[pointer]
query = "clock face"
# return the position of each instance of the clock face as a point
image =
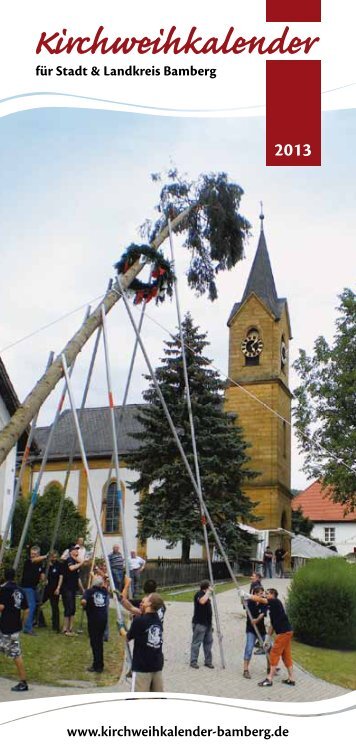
(252, 345)
(283, 353)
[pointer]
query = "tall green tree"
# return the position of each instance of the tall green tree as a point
(72, 525)
(325, 413)
(169, 507)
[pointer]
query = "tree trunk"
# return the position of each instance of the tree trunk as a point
(185, 550)
(31, 405)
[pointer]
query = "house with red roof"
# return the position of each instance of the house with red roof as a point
(331, 524)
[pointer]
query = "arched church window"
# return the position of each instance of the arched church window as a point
(111, 507)
(252, 347)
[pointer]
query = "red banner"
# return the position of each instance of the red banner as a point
(293, 113)
(293, 10)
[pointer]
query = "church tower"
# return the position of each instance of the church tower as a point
(259, 367)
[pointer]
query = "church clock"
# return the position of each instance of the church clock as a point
(284, 354)
(252, 345)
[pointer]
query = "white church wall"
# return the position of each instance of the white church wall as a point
(59, 476)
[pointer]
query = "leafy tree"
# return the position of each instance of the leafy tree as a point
(72, 525)
(169, 507)
(326, 410)
(301, 525)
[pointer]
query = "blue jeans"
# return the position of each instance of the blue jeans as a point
(250, 643)
(32, 602)
(268, 569)
(118, 577)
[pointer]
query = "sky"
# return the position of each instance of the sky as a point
(74, 188)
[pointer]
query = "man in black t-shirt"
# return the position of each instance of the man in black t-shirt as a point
(134, 605)
(68, 583)
(202, 626)
(52, 588)
(258, 613)
(282, 643)
(147, 634)
(13, 605)
(95, 603)
(280, 555)
(31, 575)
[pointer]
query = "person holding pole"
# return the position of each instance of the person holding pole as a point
(31, 575)
(202, 626)
(95, 604)
(253, 621)
(68, 583)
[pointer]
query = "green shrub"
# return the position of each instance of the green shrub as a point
(322, 604)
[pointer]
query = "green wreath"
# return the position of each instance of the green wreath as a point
(161, 273)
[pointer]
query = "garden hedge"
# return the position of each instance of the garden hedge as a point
(322, 604)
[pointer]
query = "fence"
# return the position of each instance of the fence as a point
(173, 572)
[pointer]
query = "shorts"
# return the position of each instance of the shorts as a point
(282, 648)
(68, 597)
(10, 644)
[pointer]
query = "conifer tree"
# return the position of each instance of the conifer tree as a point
(168, 507)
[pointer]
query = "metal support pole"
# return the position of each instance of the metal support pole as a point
(24, 461)
(195, 453)
(92, 499)
(114, 440)
(34, 495)
(180, 446)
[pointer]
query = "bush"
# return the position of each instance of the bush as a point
(322, 604)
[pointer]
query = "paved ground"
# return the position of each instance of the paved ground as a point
(228, 682)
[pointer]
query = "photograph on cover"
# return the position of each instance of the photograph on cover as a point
(159, 490)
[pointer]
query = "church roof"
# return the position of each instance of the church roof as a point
(7, 392)
(96, 432)
(261, 282)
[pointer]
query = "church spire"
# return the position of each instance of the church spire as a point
(260, 280)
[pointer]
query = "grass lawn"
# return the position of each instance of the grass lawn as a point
(56, 659)
(331, 665)
(185, 594)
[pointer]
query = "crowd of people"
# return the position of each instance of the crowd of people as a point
(20, 608)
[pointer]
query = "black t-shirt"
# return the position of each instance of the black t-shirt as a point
(202, 613)
(256, 609)
(255, 585)
(96, 607)
(280, 553)
(146, 632)
(278, 616)
(70, 578)
(14, 600)
(54, 572)
(268, 556)
(31, 574)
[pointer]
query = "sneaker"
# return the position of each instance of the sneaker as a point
(209, 665)
(247, 674)
(265, 682)
(22, 686)
(194, 665)
(94, 670)
(288, 682)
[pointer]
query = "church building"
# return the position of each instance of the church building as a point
(257, 389)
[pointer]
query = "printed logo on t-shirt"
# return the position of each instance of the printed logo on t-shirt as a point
(154, 638)
(17, 597)
(99, 600)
